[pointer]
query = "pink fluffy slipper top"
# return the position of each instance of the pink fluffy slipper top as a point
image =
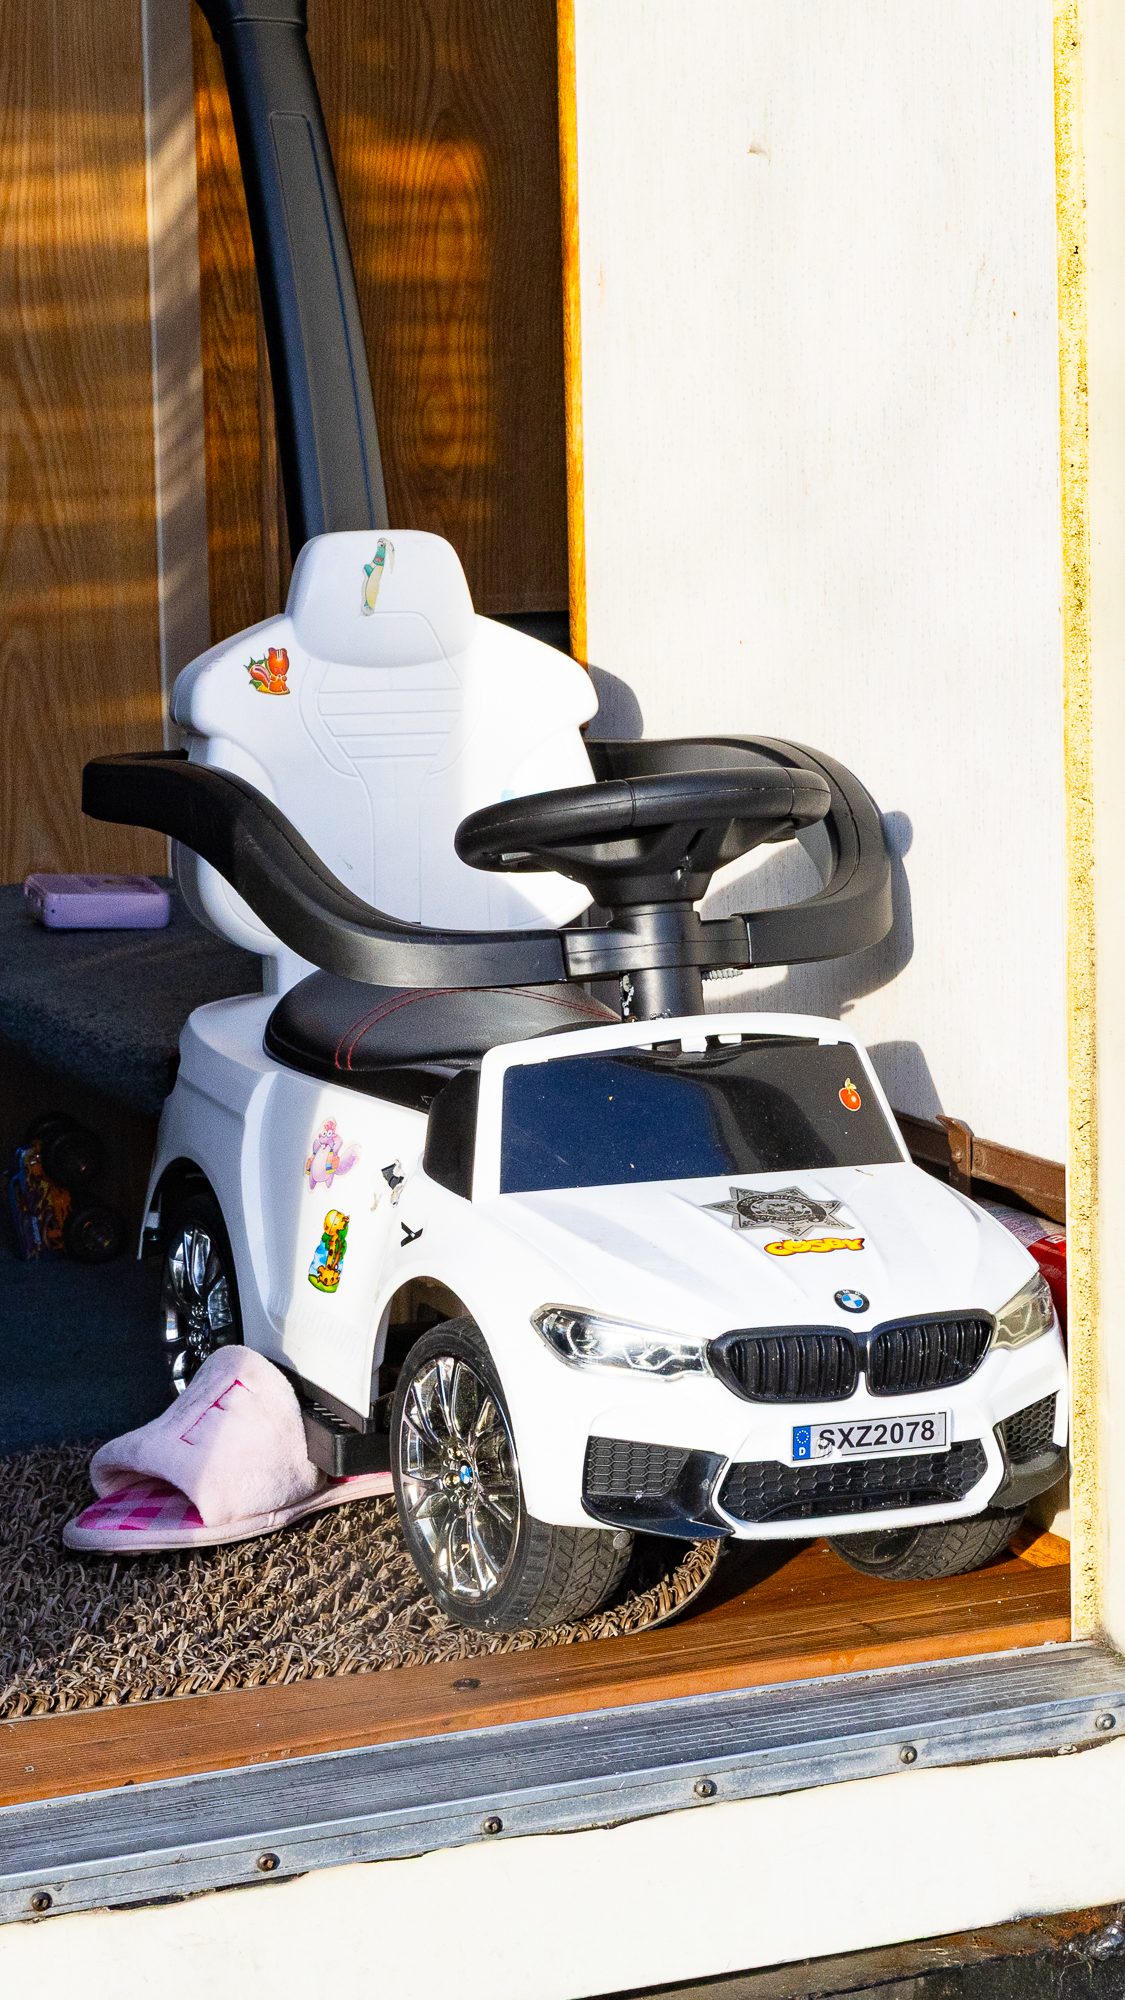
(234, 1443)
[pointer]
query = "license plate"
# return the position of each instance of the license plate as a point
(877, 1436)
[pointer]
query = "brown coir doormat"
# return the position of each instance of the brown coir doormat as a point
(337, 1594)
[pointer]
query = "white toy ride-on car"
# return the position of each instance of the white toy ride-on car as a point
(574, 1276)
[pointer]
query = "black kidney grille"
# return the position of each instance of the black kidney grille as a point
(926, 1354)
(771, 1492)
(822, 1364)
(1030, 1431)
(807, 1365)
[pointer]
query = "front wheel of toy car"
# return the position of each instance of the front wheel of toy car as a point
(941, 1548)
(484, 1558)
(198, 1295)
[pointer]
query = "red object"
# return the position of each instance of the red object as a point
(850, 1097)
(1050, 1255)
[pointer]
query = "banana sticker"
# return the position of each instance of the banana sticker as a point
(382, 562)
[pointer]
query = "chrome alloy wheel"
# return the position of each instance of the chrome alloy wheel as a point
(196, 1302)
(459, 1477)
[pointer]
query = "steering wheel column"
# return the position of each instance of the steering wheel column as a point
(646, 849)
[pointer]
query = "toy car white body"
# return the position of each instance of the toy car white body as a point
(639, 1320)
(576, 1275)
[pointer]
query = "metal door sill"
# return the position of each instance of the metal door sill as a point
(185, 1835)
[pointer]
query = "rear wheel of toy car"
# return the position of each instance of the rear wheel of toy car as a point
(484, 1558)
(198, 1294)
(941, 1548)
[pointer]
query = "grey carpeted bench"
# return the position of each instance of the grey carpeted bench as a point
(105, 1008)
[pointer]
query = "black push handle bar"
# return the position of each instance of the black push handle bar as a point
(328, 439)
(260, 853)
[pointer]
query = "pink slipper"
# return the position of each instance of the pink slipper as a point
(225, 1462)
(140, 1519)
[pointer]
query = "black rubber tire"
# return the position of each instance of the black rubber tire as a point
(93, 1233)
(196, 1205)
(941, 1548)
(48, 1121)
(554, 1574)
(71, 1155)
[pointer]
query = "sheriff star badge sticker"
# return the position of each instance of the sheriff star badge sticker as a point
(789, 1210)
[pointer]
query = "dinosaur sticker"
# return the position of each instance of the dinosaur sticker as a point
(329, 1156)
(270, 676)
(324, 1271)
(382, 562)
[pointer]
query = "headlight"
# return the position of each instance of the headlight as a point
(591, 1339)
(1025, 1317)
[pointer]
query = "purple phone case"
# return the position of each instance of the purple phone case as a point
(97, 902)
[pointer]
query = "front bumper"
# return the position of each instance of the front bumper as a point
(656, 1489)
(688, 1458)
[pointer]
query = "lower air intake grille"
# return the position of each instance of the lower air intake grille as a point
(772, 1492)
(1029, 1432)
(926, 1354)
(616, 1468)
(801, 1365)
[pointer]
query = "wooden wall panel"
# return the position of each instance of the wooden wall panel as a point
(78, 612)
(443, 123)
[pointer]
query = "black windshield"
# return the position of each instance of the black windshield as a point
(769, 1105)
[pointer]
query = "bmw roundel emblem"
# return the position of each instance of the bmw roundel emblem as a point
(852, 1302)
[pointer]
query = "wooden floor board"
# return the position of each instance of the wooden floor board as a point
(770, 1616)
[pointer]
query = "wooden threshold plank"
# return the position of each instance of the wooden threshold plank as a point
(796, 1618)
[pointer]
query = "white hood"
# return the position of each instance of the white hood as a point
(658, 1253)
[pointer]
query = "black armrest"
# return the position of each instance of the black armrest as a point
(256, 849)
(853, 910)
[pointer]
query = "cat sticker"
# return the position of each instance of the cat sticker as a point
(329, 1156)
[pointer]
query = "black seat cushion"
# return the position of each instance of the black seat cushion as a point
(405, 1042)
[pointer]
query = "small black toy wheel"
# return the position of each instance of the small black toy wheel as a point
(199, 1294)
(93, 1233)
(485, 1560)
(941, 1548)
(70, 1154)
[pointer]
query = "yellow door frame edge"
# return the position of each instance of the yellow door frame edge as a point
(1082, 1160)
(572, 329)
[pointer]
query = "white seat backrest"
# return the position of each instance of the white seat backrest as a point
(377, 712)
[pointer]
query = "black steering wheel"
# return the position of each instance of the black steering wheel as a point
(645, 840)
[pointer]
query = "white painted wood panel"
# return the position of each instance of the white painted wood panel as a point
(820, 406)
